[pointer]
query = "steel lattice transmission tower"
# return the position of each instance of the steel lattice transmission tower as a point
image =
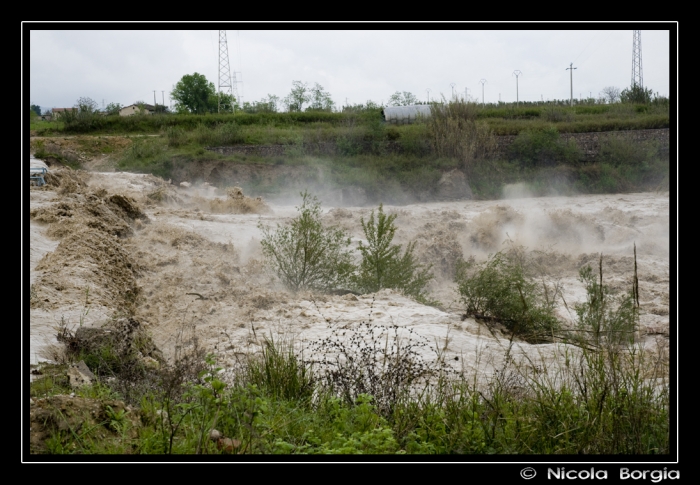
(637, 59)
(227, 80)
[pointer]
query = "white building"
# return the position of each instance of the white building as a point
(134, 109)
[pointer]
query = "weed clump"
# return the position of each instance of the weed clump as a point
(384, 362)
(456, 133)
(500, 290)
(605, 320)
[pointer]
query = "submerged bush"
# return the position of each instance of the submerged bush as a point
(499, 289)
(603, 318)
(382, 265)
(305, 255)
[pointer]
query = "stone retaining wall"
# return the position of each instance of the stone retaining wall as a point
(589, 143)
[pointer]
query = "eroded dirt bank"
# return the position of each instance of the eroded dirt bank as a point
(108, 244)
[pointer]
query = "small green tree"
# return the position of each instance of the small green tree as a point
(403, 99)
(195, 94)
(112, 109)
(305, 255)
(320, 100)
(636, 94)
(297, 97)
(382, 264)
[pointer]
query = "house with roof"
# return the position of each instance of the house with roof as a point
(135, 109)
(56, 113)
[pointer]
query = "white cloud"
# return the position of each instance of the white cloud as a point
(126, 65)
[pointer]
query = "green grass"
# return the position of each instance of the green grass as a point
(403, 163)
(400, 178)
(601, 403)
(267, 128)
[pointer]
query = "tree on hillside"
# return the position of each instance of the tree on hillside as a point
(86, 105)
(298, 96)
(265, 105)
(403, 99)
(194, 94)
(226, 102)
(636, 94)
(113, 108)
(359, 107)
(611, 94)
(320, 99)
(36, 109)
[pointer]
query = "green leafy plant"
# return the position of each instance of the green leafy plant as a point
(280, 372)
(116, 418)
(500, 290)
(636, 94)
(305, 254)
(382, 264)
(603, 318)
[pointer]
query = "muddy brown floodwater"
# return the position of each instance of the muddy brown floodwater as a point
(177, 257)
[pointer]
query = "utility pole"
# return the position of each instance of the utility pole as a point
(517, 73)
(154, 100)
(428, 91)
(483, 81)
(452, 85)
(571, 75)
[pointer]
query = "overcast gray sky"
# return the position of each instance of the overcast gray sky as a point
(125, 66)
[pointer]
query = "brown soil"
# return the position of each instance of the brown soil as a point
(89, 263)
(63, 415)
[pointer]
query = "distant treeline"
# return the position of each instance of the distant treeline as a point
(503, 120)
